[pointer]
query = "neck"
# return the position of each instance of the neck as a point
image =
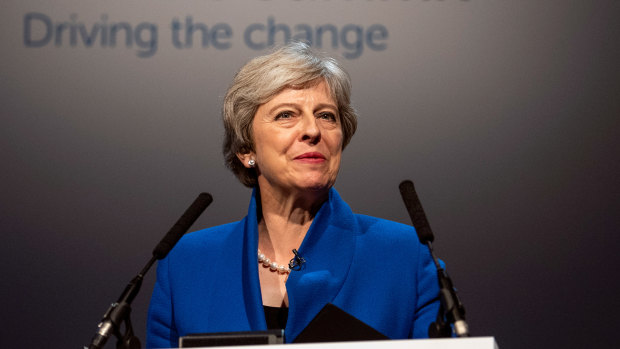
(285, 220)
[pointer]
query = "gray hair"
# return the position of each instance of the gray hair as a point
(293, 65)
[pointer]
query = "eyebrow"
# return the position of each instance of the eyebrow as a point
(327, 105)
(296, 106)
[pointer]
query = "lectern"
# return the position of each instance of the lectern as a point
(442, 343)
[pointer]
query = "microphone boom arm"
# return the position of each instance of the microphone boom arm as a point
(119, 311)
(451, 310)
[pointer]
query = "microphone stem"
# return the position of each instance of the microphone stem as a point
(435, 259)
(147, 266)
(119, 311)
(452, 306)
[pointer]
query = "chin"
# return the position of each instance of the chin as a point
(317, 186)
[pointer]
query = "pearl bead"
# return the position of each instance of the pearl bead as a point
(273, 266)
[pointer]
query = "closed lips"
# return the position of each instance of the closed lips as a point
(312, 155)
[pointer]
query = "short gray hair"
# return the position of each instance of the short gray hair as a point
(293, 65)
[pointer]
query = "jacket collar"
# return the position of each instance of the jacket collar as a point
(328, 249)
(251, 284)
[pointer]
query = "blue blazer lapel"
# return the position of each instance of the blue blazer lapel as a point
(328, 249)
(251, 284)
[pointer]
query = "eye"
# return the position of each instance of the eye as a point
(284, 115)
(327, 116)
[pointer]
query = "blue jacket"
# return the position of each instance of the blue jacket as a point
(374, 269)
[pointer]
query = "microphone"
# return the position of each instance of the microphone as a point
(120, 310)
(416, 212)
(182, 225)
(451, 307)
(296, 262)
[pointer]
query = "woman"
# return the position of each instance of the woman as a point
(288, 118)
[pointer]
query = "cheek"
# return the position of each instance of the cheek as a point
(336, 163)
(336, 141)
(272, 147)
(336, 153)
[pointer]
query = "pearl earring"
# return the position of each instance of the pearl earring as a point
(252, 162)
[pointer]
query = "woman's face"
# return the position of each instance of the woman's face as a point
(298, 140)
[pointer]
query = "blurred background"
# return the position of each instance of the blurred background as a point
(504, 113)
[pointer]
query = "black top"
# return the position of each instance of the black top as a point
(276, 317)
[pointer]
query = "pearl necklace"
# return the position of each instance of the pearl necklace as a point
(273, 266)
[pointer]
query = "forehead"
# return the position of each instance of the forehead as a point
(317, 92)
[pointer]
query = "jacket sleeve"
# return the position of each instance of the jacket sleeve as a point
(427, 304)
(160, 329)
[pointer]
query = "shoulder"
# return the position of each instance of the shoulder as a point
(380, 228)
(375, 235)
(207, 240)
(387, 240)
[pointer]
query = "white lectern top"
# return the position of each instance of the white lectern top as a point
(442, 343)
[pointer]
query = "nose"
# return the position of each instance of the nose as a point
(310, 129)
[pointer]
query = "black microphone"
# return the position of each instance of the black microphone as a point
(182, 225)
(416, 212)
(451, 307)
(120, 310)
(296, 262)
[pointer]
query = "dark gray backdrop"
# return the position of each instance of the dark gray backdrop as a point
(504, 113)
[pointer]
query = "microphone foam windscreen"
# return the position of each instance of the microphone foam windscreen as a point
(416, 212)
(182, 225)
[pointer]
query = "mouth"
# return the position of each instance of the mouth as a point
(311, 157)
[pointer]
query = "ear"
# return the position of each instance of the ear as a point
(245, 157)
